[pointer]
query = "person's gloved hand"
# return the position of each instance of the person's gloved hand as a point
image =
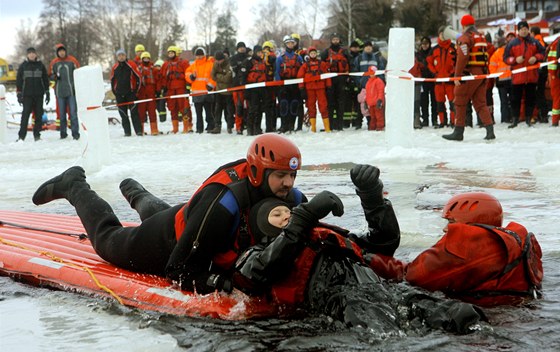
(193, 76)
(209, 87)
(47, 98)
(20, 98)
(205, 283)
(323, 203)
(379, 104)
(368, 185)
(305, 216)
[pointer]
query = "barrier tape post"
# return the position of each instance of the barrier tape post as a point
(387, 73)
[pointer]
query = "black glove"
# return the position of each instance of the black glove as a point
(368, 185)
(303, 93)
(163, 92)
(205, 283)
(379, 104)
(306, 216)
(20, 98)
(47, 98)
(193, 76)
(209, 88)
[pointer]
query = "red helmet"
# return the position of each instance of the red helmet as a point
(474, 207)
(271, 151)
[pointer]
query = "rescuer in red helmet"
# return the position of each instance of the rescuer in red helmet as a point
(477, 260)
(194, 244)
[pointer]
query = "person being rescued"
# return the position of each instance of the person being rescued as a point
(477, 260)
(299, 261)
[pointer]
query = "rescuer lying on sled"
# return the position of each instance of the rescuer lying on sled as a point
(300, 261)
(194, 244)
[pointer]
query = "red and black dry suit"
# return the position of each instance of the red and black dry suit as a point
(289, 100)
(239, 63)
(476, 263)
(257, 96)
(337, 59)
(186, 243)
(316, 89)
(173, 82)
(323, 271)
(472, 59)
(148, 87)
(125, 83)
(441, 63)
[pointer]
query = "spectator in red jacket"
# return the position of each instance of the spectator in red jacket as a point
(375, 99)
(314, 90)
(441, 63)
(521, 52)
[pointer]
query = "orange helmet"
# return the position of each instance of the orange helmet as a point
(474, 207)
(271, 151)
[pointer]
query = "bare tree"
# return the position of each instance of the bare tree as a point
(308, 15)
(205, 20)
(26, 36)
(274, 21)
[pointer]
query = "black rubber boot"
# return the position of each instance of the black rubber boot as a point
(145, 203)
(457, 134)
(515, 121)
(490, 132)
(60, 186)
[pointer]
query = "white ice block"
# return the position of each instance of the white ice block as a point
(399, 111)
(93, 118)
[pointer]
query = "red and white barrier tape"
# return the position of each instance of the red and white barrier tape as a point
(323, 76)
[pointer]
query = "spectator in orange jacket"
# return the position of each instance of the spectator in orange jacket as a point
(199, 75)
(375, 99)
(314, 90)
(441, 62)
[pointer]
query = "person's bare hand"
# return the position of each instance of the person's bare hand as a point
(532, 60)
(519, 59)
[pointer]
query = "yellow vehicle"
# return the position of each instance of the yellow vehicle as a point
(7, 73)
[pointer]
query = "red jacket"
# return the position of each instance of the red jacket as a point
(311, 70)
(375, 90)
(554, 55)
(442, 60)
(526, 47)
(149, 78)
(474, 264)
(173, 73)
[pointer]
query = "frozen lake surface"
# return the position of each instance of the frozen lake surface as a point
(521, 168)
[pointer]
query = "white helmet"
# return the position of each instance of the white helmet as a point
(288, 38)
